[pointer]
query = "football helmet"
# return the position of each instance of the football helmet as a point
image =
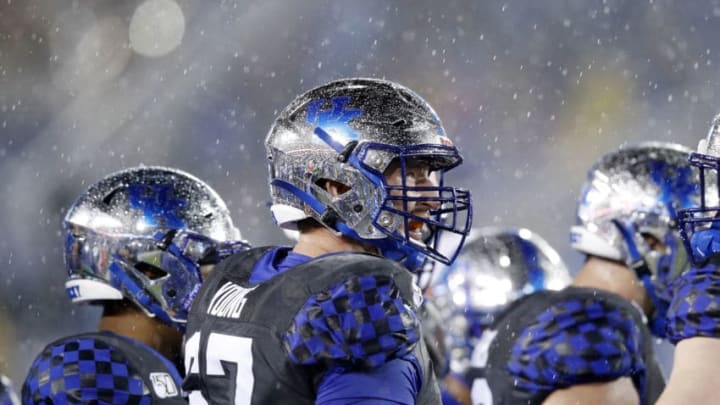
(496, 267)
(350, 132)
(142, 234)
(704, 215)
(630, 201)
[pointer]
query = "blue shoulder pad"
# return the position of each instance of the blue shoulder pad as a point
(577, 341)
(695, 306)
(81, 370)
(361, 322)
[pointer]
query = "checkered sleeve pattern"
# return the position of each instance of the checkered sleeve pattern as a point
(695, 306)
(574, 342)
(363, 322)
(81, 371)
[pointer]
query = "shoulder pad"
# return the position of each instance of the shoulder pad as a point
(693, 309)
(334, 269)
(577, 340)
(361, 322)
(79, 369)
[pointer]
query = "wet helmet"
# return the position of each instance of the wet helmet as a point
(631, 200)
(351, 132)
(496, 267)
(142, 234)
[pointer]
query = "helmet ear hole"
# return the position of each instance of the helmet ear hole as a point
(333, 187)
(150, 271)
(653, 242)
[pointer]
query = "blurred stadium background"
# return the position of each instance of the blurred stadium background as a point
(532, 92)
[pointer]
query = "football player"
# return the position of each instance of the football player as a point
(135, 242)
(693, 315)
(7, 396)
(496, 267)
(356, 166)
(590, 341)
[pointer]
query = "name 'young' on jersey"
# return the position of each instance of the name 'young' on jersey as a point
(101, 368)
(294, 334)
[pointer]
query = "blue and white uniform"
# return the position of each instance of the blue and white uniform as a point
(335, 329)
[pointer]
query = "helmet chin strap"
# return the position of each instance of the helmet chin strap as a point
(639, 265)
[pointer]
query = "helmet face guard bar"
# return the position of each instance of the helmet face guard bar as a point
(450, 209)
(448, 218)
(692, 220)
(707, 215)
(709, 182)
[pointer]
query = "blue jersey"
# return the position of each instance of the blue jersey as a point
(101, 368)
(335, 329)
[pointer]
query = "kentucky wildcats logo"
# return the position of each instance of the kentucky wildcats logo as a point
(335, 119)
(674, 183)
(158, 203)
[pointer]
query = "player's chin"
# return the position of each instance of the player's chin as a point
(418, 228)
(418, 232)
(416, 236)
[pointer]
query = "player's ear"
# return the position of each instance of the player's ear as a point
(335, 188)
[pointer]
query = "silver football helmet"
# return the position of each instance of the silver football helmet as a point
(631, 197)
(141, 234)
(350, 132)
(495, 268)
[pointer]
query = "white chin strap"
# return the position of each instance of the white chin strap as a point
(291, 235)
(82, 290)
(590, 243)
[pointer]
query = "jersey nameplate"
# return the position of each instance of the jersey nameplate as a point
(228, 301)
